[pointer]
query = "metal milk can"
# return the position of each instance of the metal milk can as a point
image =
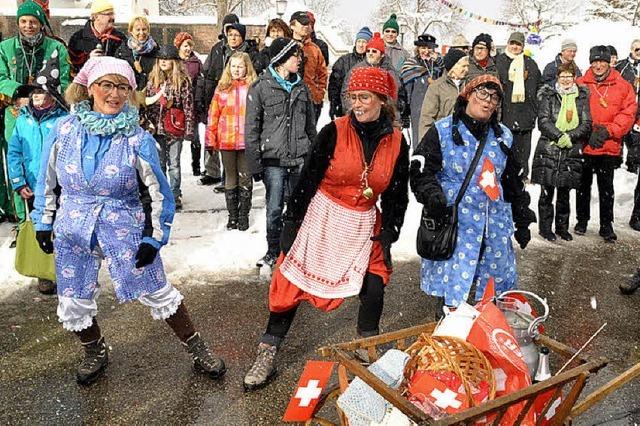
(523, 323)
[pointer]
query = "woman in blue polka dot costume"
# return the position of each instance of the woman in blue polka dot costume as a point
(494, 204)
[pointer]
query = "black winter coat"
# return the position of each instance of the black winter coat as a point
(549, 75)
(146, 62)
(279, 126)
(83, 41)
(324, 47)
(214, 66)
(552, 166)
(339, 72)
(519, 116)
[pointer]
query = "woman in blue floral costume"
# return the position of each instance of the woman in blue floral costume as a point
(103, 195)
(494, 205)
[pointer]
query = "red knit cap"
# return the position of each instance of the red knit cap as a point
(181, 38)
(373, 79)
(376, 43)
(480, 80)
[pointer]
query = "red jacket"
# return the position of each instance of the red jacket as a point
(613, 105)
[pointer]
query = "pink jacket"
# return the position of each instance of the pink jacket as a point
(225, 124)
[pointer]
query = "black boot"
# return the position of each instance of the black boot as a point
(606, 232)
(545, 212)
(562, 227)
(231, 197)
(581, 227)
(96, 358)
(632, 285)
(195, 157)
(244, 208)
(46, 286)
(203, 360)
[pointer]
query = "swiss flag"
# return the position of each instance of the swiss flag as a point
(429, 388)
(488, 180)
(314, 378)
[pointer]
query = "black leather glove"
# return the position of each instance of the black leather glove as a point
(258, 176)
(436, 203)
(386, 238)
(335, 111)
(598, 136)
(44, 241)
(522, 236)
(406, 122)
(288, 235)
(145, 255)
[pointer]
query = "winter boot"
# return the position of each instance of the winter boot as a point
(96, 358)
(203, 360)
(268, 259)
(46, 286)
(545, 212)
(581, 227)
(562, 227)
(263, 369)
(244, 208)
(195, 157)
(632, 285)
(606, 232)
(231, 197)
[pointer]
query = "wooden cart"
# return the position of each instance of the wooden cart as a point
(569, 383)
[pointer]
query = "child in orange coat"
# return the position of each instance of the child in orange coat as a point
(225, 132)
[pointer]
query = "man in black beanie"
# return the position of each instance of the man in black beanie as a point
(442, 94)
(480, 60)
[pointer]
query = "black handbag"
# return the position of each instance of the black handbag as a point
(438, 234)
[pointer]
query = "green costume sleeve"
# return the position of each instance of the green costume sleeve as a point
(8, 85)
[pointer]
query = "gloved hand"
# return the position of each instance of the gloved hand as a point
(288, 235)
(406, 122)
(386, 238)
(44, 241)
(258, 176)
(335, 111)
(564, 142)
(598, 136)
(145, 255)
(436, 203)
(522, 236)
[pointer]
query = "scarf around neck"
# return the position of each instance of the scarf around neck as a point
(568, 115)
(286, 84)
(33, 41)
(123, 123)
(516, 76)
(141, 48)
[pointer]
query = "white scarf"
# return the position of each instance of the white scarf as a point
(516, 75)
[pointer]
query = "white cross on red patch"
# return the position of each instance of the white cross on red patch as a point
(488, 181)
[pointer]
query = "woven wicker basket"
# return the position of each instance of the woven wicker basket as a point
(444, 353)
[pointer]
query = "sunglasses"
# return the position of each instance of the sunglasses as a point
(390, 31)
(373, 51)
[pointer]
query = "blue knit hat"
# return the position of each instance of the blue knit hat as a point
(364, 34)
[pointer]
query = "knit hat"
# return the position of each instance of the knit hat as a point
(516, 37)
(180, 38)
(231, 18)
(31, 8)
(98, 6)
(483, 39)
(426, 40)
(282, 49)
(238, 27)
(460, 41)
(612, 50)
(364, 34)
(300, 16)
(599, 53)
(99, 66)
(167, 51)
(391, 23)
(452, 57)
(376, 42)
(568, 43)
(373, 79)
(481, 80)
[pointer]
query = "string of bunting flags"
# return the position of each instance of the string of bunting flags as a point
(486, 20)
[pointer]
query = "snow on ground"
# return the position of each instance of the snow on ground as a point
(201, 246)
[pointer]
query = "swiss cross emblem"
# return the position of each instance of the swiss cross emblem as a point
(488, 181)
(429, 388)
(307, 394)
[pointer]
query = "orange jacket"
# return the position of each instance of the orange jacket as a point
(225, 126)
(613, 105)
(315, 70)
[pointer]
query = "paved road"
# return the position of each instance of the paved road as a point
(149, 379)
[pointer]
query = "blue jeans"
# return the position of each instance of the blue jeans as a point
(279, 183)
(169, 153)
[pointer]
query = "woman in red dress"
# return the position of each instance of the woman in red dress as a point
(335, 242)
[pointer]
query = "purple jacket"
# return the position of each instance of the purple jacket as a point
(194, 70)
